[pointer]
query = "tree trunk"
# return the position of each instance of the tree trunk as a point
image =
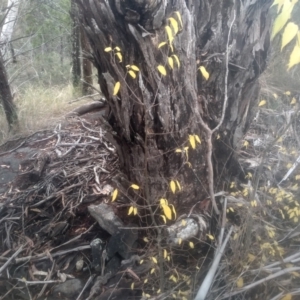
(8, 26)
(87, 71)
(152, 114)
(6, 97)
(75, 38)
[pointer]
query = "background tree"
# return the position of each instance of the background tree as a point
(8, 22)
(87, 68)
(169, 102)
(75, 38)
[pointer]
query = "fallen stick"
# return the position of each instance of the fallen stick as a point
(10, 259)
(202, 292)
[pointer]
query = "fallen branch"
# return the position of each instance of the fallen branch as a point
(10, 259)
(203, 290)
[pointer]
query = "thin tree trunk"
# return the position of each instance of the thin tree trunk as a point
(8, 26)
(87, 70)
(76, 68)
(154, 115)
(6, 98)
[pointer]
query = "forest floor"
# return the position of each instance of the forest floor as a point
(52, 245)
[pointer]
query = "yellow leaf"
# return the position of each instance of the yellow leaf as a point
(145, 239)
(178, 184)
(179, 241)
(135, 68)
(275, 96)
(177, 59)
(191, 244)
(132, 74)
(164, 218)
(132, 286)
(174, 211)
(173, 186)
(287, 93)
(163, 201)
(279, 3)
(170, 61)
(146, 280)
(119, 56)
(287, 297)
(179, 18)
(240, 282)
(154, 259)
(178, 150)
(289, 33)
(135, 187)
(192, 141)
(174, 25)
(293, 100)
(169, 34)
(165, 253)
(116, 88)
(114, 195)
(117, 48)
(158, 291)
(262, 103)
(251, 257)
(134, 211)
(162, 44)
(197, 138)
(183, 222)
(130, 211)
(167, 211)
(246, 144)
(295, 56)
(107, 49)
(297, 177)
(162, 70)
(173, 278)
(152, 271)
(210, 237)
(282, 18)
(141, 261)
(204, 73)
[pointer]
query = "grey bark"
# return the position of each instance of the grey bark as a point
(153, 114)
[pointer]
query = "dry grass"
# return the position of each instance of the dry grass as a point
(39, 108)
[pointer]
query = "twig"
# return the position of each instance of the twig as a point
(10, 259)
(209, 132)
(37, 281)
(46, 284)
(203, 290)
(221, 235)
(263, 280)
(43, 256)
(56, 194)
(83, 97)
(12, 150)
(91, 278)
(226, 77)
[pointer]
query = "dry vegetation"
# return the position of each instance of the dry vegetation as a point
(39, 108)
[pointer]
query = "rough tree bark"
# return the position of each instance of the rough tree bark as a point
(153, 115)
(75, 39)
